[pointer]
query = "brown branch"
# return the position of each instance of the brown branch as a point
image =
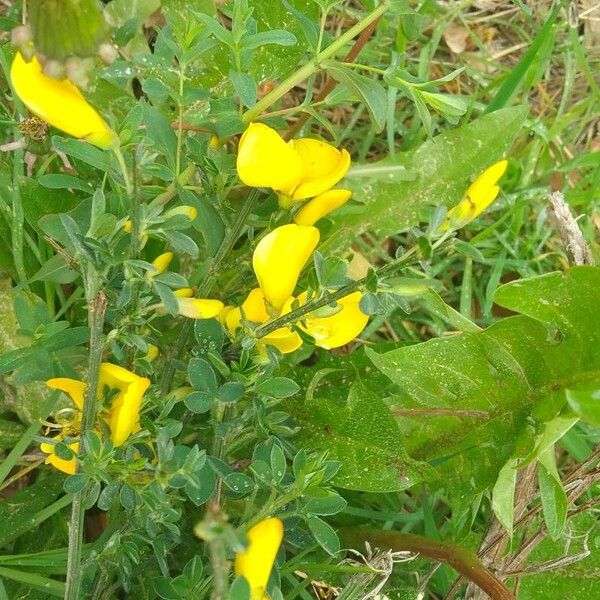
(330, 82)
(463, 561)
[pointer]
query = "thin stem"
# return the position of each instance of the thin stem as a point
(314, 65)
(96, 311)
(124, 172)
(180, 122)
(328, 297)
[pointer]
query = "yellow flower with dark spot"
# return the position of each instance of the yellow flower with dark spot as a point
(59, 103)
(256, 562)
(321, 206)
(279, 259)
(480, 194)
(339, 328)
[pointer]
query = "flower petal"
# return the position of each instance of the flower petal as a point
(337, 329)
(199, 308)
(256, 562)
(124, 412)
(265, 160)
(73, 387)
(66, 466)
(321, 205)
(279, 259)
(161, 262)
(59, 103)
(323, 166)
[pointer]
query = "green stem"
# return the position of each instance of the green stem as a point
(96, 311)
(329, 297)
(314, 65)
(124, 172)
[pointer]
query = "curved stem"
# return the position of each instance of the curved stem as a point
(463, 561)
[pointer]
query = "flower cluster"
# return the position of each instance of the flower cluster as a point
(120, 393)
(296, 170)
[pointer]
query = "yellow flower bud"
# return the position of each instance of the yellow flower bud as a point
(128, 226)
(152, 353)
(187, 211)
(279, 259)
(321, 205)
(265, 160)
(256, 562)
(339, 328)
(184, 293)
(199, 308)
(214, 142)
(323, 166)
(480, 194)
(59, 103)
(161, 263)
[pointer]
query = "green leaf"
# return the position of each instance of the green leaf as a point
(503, 495)
(160, 132)
(240, 589)
(199, 402)
(368, 90)
(324, 534)
(360, 434)
(56, 270)
(202, 375)
(437, 172)
(277, 387)
(279, 37)
(586, 404)
(61, 181)
(245, 87)
(552, 494)
(473, 395)
(83, 151)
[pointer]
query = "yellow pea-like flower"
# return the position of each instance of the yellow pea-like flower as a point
(323, 166)
(321, 205)
(59, 103)
(480, 194)
(122, 415)
(254, 309)
(199, 308)
(265, 160)
(256, 562)
(161, 263)
(279, 259)
(339, 328)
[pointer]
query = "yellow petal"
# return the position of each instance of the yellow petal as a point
(340, 328)
(124, 412)
(254, 308)
(184, 293)
(284, 339)
(256, 562)
(321, 205)
(480, 194)
(199, 308)
(161, 262)
(323, 167)
(279, 259)
(265, 160)
(127, 226)
(59, 103)
(74, 388)
(66, 466)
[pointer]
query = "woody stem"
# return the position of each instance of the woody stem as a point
(96, 311)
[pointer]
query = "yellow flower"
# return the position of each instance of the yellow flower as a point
(199, 308)
(265, 160)
(120, 409)
(152, 353)
(321, 205)
(67, 466)
(480, 194)
(59, 103)
(253, 309)
(339, 328)
(256, 562)
(161, 263)
(323, 167)
(279, 259)
(187, 211)
(184, 293)
(298, 169)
